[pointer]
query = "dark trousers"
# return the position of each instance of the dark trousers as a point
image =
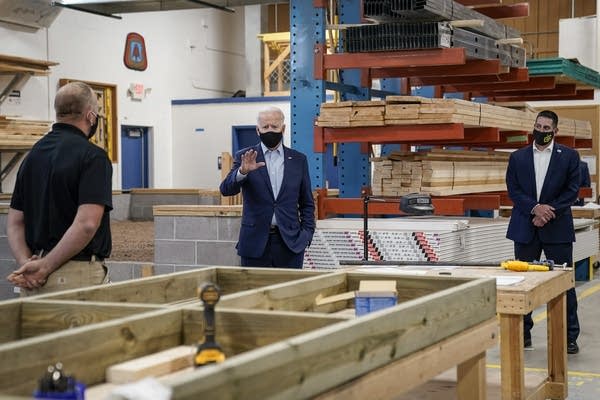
(276, 254)
(559, 253)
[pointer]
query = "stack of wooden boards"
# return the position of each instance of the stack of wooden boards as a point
(20, 134)
(415, 110)
(12, 64)
(439, 172)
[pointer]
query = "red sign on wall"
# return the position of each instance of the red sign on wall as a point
(135, 52)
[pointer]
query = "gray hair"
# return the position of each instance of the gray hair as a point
(271, 110)
(73, 98)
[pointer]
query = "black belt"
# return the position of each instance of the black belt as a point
(83, 257)
(78, 257)
(273, 229)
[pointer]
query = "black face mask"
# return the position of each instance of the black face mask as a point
(542, 138)
(94, 127)
(271, 139)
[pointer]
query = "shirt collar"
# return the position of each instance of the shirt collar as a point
(277, 150)
(546, 150)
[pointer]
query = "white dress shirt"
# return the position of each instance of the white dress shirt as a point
(541, 160)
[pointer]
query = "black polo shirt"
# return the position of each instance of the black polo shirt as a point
(62, 171)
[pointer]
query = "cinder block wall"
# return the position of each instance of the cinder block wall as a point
(201, 236)
(7, 263)
(121, 206)
(185, 242)
(143, 200)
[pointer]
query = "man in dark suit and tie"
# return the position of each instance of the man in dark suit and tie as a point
(543, 183)
(278, 219)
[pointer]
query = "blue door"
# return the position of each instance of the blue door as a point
(134, 157)
(243, 136)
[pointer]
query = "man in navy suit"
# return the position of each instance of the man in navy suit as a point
(543, 183)
(278, 218)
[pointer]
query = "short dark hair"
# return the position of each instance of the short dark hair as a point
(549, 114)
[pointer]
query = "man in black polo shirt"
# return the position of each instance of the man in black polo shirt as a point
(58, 223)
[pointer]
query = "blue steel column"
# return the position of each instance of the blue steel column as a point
(354, 170)
(307, 28)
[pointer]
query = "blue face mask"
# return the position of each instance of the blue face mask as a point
(271, 139)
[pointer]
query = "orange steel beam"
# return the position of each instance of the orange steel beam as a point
(570, 141)
(562, 90)
(534, 83)
(333, 205)
(583, 143)
(479, 201)
(517, 10)
(320, 3)
(390, 134)
(365, 78)
(478, 2)
(580, 95)
(506, 201)
(470, 67)
(318, 143)
(395, 59)
(565, 140)
(445, 206)
(514, 75)
(319, 61)
(321, 196)
(472, 136)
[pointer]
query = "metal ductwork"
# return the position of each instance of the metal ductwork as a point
(28, 13)
(113, 8)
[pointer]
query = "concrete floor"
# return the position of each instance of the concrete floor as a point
(584, 368)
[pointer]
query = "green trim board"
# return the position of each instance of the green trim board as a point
(569, 70)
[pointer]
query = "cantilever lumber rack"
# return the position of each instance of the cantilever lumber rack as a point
(18, 135)
(450, 70)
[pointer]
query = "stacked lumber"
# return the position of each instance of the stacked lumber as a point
(20, 64)
(439, 172)
(353, 113)
(580, 129)
(415, 110)
(21, 134)
(574, 127)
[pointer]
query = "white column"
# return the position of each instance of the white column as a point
(253, 21)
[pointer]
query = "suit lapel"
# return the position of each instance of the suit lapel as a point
(287, 169)
(263, 171)
(531, 167)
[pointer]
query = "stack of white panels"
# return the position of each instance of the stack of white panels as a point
(476, 240)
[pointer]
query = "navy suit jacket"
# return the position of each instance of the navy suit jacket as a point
(294, 207)
(559, 190)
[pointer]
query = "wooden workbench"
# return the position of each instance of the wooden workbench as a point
(279, 342)
(514, 301)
